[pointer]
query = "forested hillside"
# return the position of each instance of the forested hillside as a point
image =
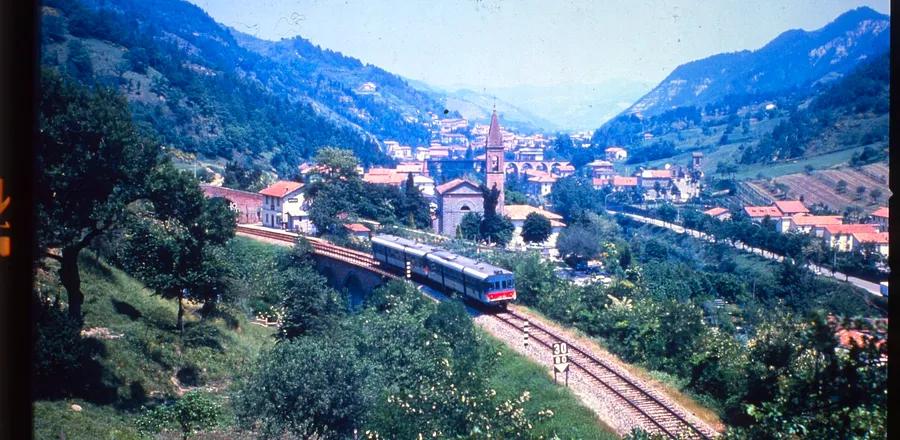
(796, 59)
(191, 84)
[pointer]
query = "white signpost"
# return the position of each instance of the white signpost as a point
(561, 360)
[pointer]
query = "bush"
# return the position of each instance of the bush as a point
(194, 412)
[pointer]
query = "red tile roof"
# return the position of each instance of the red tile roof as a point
(520, 212)
(614, 149)
(600, 181)
(357, 227)
(871, 237)
(281, 188)
(715, 212)
(816, 220)
(847, 337)
(850, 229)
(600, 163)
(494, 137)
(624, 181)
(791, 207)
(440, 189)
(881, 212)
(762, 211)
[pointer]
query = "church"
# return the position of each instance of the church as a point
(459, 197)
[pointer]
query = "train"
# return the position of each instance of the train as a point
(480, 281)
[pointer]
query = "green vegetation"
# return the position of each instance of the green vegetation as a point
(339, 196)
(536, 228)
(724, 329)
(209, 94)
(491, 227)
(142, 362)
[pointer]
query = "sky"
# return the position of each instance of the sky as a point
(505, 43)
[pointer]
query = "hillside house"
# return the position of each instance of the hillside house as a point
(806, 223)
(880, 217)
(616, 154)
(758, 213)
(879, 240)
(718, 213)
(841, 236)
(284, 207)
(791, 207)
(539, 183)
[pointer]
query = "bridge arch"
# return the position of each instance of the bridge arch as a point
(512, 168)
(542, 167)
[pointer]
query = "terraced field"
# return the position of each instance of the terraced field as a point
(821, 186)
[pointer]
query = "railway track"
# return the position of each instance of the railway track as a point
(323, 248)
(647, 405)
(659, 416)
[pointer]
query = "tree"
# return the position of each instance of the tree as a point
(90, 164)
(875, 194)
(667, 213)
(310, 306)
(841, 186)
(536, 228)
(577, 245)
(573, 197)
(195, 411)
(173, 238)
(860, 191)
(413, 209)
(305, 387)
(470, 225)
(78, 63)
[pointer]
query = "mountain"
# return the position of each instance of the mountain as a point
(576, 106)
(203, 88)
(477, 106)
(796, 59)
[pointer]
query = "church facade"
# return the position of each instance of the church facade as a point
(459, 197)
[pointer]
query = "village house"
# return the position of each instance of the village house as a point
(718, 213)
(358, 231)
(840, 237)
(518, 214)
(397, 177)
(791, 207)
(879, 240)
(616, 154)
(284, 207)
(758, 213)
(806, 223)
(880, 217)
(530, 154)
(539, 183)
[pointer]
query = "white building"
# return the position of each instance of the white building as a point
(284, 207)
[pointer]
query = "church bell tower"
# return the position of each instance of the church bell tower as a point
(495, 167)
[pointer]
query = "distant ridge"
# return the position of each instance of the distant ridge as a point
(796, 59)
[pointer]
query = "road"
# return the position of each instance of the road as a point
(868, 286)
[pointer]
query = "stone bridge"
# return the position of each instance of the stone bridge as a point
(546, 166)
(347, 277)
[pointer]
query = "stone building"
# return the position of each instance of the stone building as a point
(455, 199)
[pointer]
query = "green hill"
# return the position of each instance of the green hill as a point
(137, 358)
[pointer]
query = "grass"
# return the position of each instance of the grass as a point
(818, 162)
(100, 422)
(144, 363)
(515, 373)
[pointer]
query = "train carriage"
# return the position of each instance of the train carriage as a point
(481, 281)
